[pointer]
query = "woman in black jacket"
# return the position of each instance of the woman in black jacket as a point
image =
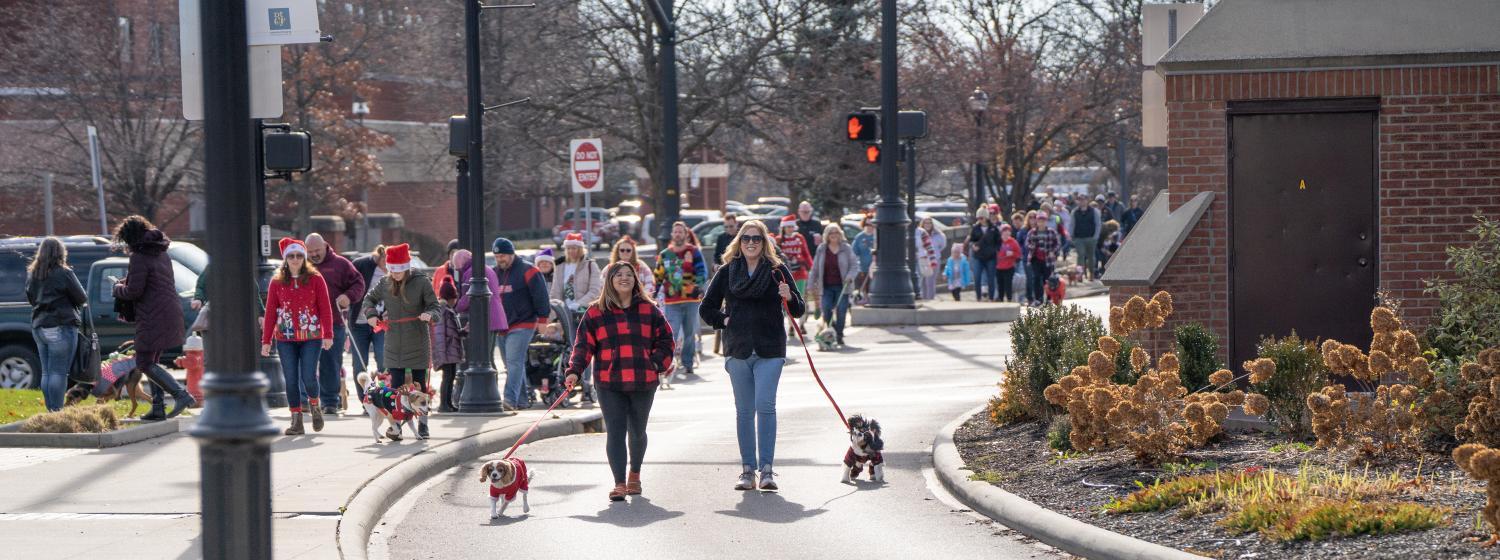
(745, 299)
(55, 296)
(151, 287)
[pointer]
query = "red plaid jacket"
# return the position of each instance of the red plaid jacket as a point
(629, 347)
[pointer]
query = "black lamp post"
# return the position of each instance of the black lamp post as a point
(978, 102)
(890, 285)
(234, 432)
(669, 207)
(481, 392)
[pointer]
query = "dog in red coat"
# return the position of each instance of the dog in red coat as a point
(508, 478)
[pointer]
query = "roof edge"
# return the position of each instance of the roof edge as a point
(1305, 64)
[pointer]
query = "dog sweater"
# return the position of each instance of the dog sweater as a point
(522, 482)
(851, 458)
(386, 398)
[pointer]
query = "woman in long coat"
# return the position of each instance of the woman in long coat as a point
(151, 287)
(410, 308)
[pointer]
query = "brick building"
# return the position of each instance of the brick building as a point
(1319, 152)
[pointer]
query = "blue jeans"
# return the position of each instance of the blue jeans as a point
(984, 278)
(55, 347)
(369, 345)
(513, 346)
(754, 382)
(330, 362)
(683, 317)
(833, 301)
(299, 367)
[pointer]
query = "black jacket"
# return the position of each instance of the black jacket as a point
(55, 299)
(1085, 223)
(986, 242)
(748, 308)
(366, 267)
(720, 245)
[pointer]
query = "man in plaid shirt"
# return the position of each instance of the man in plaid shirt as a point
(1042, 244)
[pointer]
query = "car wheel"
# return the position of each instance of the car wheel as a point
(19, 368)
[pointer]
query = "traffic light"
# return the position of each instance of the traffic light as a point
(872, 153)
(863, 127)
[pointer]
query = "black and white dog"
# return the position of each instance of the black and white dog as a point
(508, 478)
(864, 448)
(401, 406)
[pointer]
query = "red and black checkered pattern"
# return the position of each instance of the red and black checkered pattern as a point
(629, 346)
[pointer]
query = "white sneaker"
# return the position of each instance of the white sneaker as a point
(747, 480)
(768, 481)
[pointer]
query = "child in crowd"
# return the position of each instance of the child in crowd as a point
(957, 272)
(448, 344)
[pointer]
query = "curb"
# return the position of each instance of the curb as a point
(1067, 534)
(376, 496)
(141, 432)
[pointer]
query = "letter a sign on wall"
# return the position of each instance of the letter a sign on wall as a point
(588, 165)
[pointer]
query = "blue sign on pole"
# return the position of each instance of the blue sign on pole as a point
(281, 19)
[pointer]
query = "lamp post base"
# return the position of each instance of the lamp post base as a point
(481, 390)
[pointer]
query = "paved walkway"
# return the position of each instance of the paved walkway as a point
(142, 500)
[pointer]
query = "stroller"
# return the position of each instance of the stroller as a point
(547, 357)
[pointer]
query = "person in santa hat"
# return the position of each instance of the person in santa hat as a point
(299, 320)
(797, 256)
(578, 284)
(410, 305)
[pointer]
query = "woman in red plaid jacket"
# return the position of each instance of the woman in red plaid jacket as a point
(626, 336)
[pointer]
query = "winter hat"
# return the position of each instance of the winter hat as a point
(291, 245)
(574, 239)
(448, 291)
(503, 246)
(788, 220)
(545, 255)
(1004, 228)
(398, 258)
(994, 208)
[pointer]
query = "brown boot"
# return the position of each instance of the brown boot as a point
(618, 494)
(296, 428)
(317, 414)
(633, 484)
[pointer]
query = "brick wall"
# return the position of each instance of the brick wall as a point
(1439, 164)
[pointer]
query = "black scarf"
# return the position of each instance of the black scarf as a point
(759, 285)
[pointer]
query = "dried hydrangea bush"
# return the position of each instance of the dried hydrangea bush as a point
(1384, 420)
(1157, 418)
(1483, 463)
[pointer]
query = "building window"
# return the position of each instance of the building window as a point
(126, 46)
(155, 44)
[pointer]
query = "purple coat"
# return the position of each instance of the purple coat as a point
(343, 280)
(151, 284)
(497, 310)
(447, 339)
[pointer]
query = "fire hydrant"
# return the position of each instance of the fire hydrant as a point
(192, 361)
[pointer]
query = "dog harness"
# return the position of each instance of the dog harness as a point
(522, 481)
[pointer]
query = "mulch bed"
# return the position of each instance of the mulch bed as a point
(1017, 459)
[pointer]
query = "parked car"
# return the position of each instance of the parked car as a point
(688, 216)
(781, 201)
(708, 232)
(19, 365)
(627, 217)
(767, 210)
(946, 212)
(605, 232)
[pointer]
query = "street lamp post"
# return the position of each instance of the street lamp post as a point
(669, 207)
(890, 285)
(481, 382)
(978, 102)
(234, 432)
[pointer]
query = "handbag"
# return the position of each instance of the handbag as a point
(85, 368)
(200, 323)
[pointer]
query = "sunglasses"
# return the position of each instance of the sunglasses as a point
(624, 250)
(752, 239)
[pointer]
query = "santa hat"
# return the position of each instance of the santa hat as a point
(545, 255)
(291, 245)
(788, 220)
(398, 258)
(574, 239)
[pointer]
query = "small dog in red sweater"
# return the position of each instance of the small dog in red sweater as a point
(864, 448)
(508, 478)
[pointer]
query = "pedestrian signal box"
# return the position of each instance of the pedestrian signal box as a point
(863, 127)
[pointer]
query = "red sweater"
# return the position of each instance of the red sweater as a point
(796, 254)
(297, 311)
(1010, 252)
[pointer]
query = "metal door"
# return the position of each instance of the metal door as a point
(1302, 221)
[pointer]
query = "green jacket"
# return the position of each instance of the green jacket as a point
(200, 293)
(408, 340)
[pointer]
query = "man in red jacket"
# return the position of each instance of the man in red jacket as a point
(345, 286)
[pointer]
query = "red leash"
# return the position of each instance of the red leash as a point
(814, 367)
(383, 325)
(567, 391)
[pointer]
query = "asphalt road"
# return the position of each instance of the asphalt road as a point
(914, 380)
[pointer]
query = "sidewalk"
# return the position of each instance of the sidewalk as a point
(142, 500)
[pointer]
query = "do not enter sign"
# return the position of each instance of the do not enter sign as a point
(588, 165)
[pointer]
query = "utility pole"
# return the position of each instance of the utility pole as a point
(891, 285)
(481, 382)
(671, 197)
(234, 432)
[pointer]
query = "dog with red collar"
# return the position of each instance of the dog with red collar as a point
(864, 449)
(400, 406)
(508, 478)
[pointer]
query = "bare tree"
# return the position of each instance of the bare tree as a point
(96, 64)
